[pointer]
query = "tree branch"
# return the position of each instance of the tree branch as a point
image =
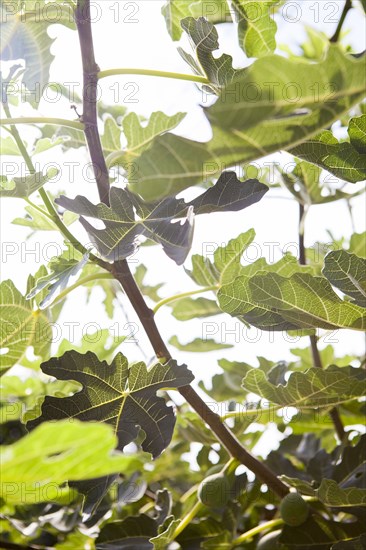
(334, 414)
(121, 270)
(90, 90)
(346, 8)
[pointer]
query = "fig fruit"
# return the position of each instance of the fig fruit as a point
(214, 491)
(294, 510)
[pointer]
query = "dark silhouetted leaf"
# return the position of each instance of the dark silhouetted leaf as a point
(122, 396)
(129, 216)
(132, 533)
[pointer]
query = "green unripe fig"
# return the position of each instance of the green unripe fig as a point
(214, 491)
(269, 541)
(294, 510)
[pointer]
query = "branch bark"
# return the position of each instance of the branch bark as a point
(317, 362)
(121, 270)
(346, 8)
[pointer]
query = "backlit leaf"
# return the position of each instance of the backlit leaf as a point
(348, 273)
(282, 87)
(117, 394)
(345, 159)
(204, 40)
(189, 308)
(21, 326)
(198, 345)
(39, 463)
(330, 494)
(256, 28)
(313, 388)
(22, 187)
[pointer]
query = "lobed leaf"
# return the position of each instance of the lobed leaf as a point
(204, 40)
(40, 463)
(62, 268)
(346, 160)
(313, 388)
(117, 394)
(348, 273)
(21, 326)
(22, 187)
(256, 28)
(198, 345)
(274, 99)
(129, 216)
(331, 494)
(188, 308)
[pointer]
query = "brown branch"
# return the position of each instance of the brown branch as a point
(90, 91)
(317, 362)
(346, 8)
(122, 273)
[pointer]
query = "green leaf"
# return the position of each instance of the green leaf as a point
(357, 133)
(111, 138)
(215, 11)
(158, 221)
(35, 467)
(348, 273)
(357, 244)
(9, 147)
(306, 177)
(122, 396)
(140, 137)
(204, 40)
(330, 494)
(187, 308)
(227, 262)
(193, 162)
(162, 540)
(21, 326)
(147, 290)
(256, 28)
(228, 385)
(358, 543)
(306, 301)
(29, 41)
(67, 265)
(198, 345)
(131, 533)
(270, 77)
(44, 144)
(319, 533)
(170, 165)
(313, 388)
(22, 187)
(346, 160)
(102, 343)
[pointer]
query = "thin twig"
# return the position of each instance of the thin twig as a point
(346, 8)
(334, 414)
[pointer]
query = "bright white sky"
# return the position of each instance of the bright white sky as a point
(146, 44)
